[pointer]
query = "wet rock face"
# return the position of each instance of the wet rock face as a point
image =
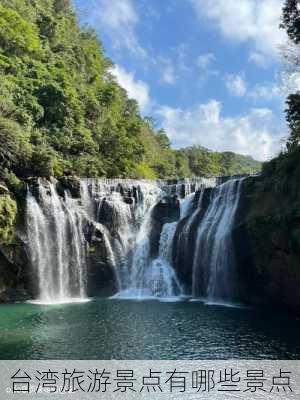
(184, 247)
(35, 184)
(244, 276)
(14, 263)
(92, 233)
(267, 256)
(167, 210)
(129, 194)
(15, 273)
(115, 215)
(70, 183)
(101, 277)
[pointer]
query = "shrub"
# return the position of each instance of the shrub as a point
(8, 212)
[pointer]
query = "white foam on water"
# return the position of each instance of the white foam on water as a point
(224, 304)
(144, 295)
(74, 300)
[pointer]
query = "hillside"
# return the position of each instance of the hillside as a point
(63, 113)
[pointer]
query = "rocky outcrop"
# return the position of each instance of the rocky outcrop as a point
(15, 274)
(70, 183)
(267, 242)
(14, 271)
(101, 277)
(167, 210)
(111, 214)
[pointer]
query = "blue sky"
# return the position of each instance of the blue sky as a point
(208, 71)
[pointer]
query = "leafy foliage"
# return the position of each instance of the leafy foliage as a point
(291, 23)
(62, 112)
(293, 119)
(8, 212)
(203, 162)
(291, 19)
(17, 36)
(14, 148)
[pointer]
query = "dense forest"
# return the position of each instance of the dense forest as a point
(63, 113)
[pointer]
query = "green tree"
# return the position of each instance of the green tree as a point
(14, 146)
(293, 118)
(63, 112)
(291, 23)
(17, 36)
(291, 19)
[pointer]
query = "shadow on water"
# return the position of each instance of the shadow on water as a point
(120, 329)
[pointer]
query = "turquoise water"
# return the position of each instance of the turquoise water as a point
(113, 329)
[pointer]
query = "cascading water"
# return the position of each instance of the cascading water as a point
(124, 210)
(56, 228)
(161, 278)
(140, 224)
(57, 246)
(140, 261)
(214, 261)
(153, 278)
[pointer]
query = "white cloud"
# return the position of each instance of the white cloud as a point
(168, 75)
(259, 59)
(182, 59)
(136, 89)
(236, 85)
(257, 134)
(291, 81)
(204, 63)
(265, 92)
(118, 19)
(205, 60)
(246, 20)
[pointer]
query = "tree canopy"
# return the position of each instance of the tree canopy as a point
(62, 111)
(291, 23)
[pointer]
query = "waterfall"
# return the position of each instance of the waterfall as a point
(57, 247)
(156, 278)
(153, 278)
(185, 187)
(214, 260)
(139, 226)
(126, 223)
(161, 276)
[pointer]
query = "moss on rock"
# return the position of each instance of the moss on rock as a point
(8, 213)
